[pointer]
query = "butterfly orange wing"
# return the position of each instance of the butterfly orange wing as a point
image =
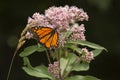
(53, 40)
(46, 36)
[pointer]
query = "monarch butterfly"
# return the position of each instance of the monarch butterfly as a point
(46, 36)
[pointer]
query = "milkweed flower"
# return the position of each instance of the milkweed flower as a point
(28, 35)
(63, 19)
(78, 32)
(59, 16)
(78, 14)
(86, 55)
(61, 33)
(39, 20)
(54, 69)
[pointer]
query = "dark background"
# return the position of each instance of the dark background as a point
(102, 28)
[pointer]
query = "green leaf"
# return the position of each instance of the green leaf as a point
(26, 62)
(65, 63)
(71, 62)
(39, 71)
(84, 66)
(74, 48)
(78, 77)
(30, 50)
(97, 52)
(40, 48)
(86, 43)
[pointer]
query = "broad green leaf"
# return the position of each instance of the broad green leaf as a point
(39, 71)
(78, 77)
(30, 50)
(63, 64)
(84, 66)
(26, 62)
(74, 48)
(72, 62)
(66, 63)
(40, 48)
(86, 43)
(97, 52)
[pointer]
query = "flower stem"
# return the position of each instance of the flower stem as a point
(58, 58)
(10, 67)
(66, 68)
(67, 73)
(20, 43)
(48, 57)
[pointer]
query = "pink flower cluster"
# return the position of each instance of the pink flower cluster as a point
(78, 32)
(64, 19)
(87, 56)
(78, 14)
(39, 20)
(60, 17)
(54, 69)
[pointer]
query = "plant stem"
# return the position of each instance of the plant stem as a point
(58, 58)
(10, 67)
(66, 67)
(48, 57)
(67, 73)
(20, 44)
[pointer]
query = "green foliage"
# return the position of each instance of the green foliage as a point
(84, 66)
(82, 78)
(97, 52)
(66, 63)
(69, 63)
(86, 43)
(74, 48)
(31, 49)
(38, 71)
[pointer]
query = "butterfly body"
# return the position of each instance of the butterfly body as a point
(46, 36)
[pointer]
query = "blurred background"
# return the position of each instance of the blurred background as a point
(102, 28)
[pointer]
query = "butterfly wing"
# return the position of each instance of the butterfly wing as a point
(41, 32)
(46, 36)
(53, 40)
